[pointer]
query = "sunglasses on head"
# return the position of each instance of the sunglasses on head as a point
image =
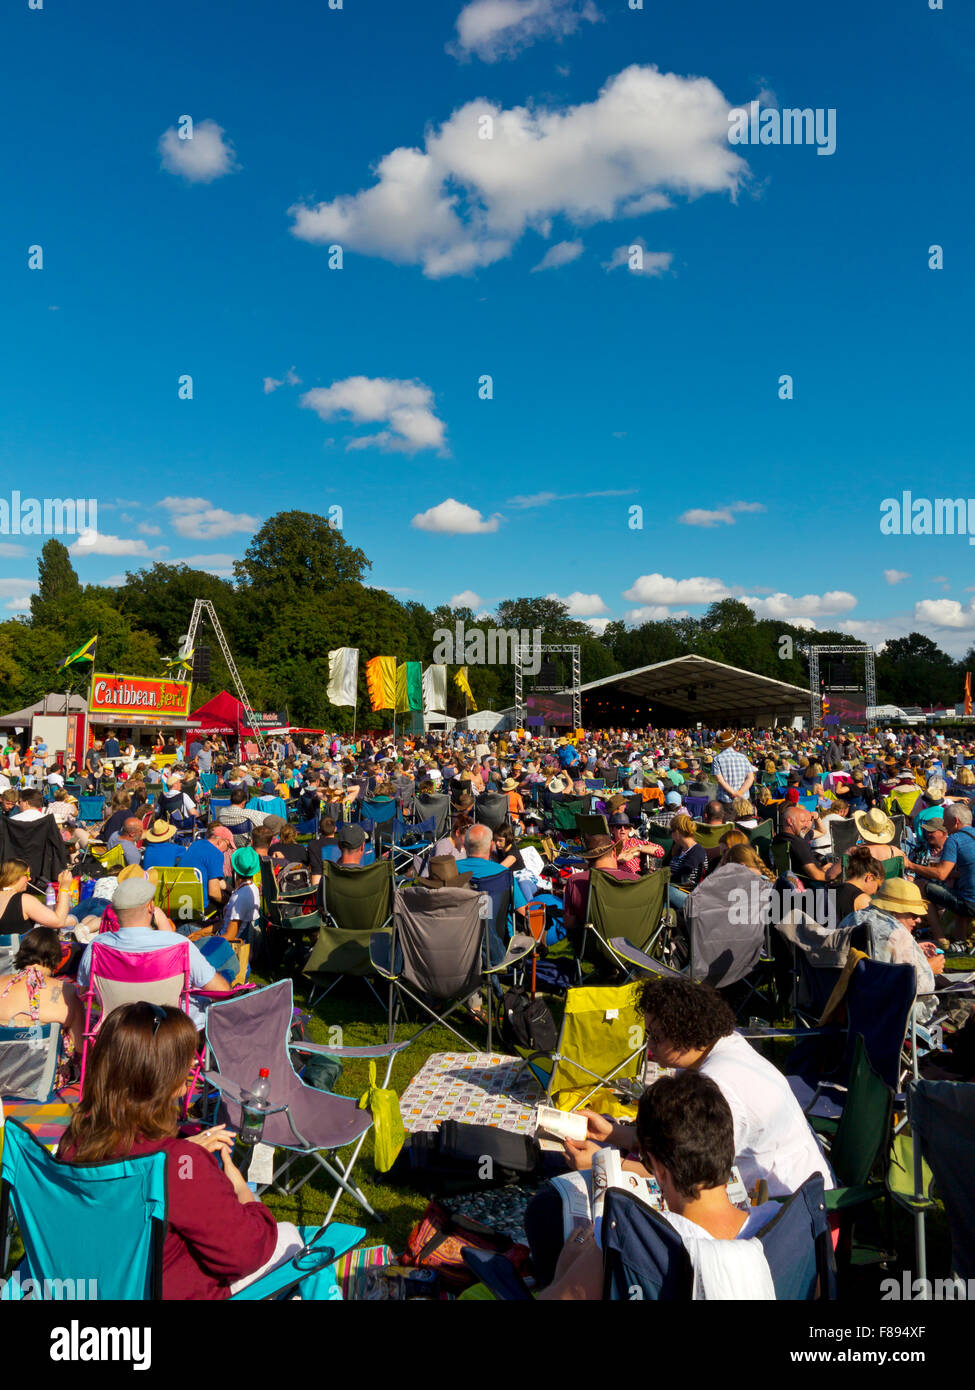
(159, 1016)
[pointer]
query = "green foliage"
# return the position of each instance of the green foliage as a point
(299, 591)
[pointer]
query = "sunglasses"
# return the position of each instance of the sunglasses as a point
(159, 1016)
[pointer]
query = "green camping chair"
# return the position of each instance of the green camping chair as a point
(709, 836)
(634, 909)
(760, 838)
(355, 902)
(893, 868)
(565, 810)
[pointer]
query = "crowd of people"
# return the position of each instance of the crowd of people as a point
(280, 810)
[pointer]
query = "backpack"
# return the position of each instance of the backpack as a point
(295, 878)
(528, 1022)
(464, 1158)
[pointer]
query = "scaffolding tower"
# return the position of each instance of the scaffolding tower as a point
(204, 606)
(815, 695)
(528, 650)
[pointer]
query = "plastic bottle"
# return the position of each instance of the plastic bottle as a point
(253, 1108)
(51, 895)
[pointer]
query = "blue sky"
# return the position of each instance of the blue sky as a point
(470, 257)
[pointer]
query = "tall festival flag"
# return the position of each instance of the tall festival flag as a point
(435, 690)
(343, 675)
(464, 686)
(968, 692)
(84, 654)
(381, 682)
(409, 692)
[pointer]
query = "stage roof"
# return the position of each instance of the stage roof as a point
(707, 690)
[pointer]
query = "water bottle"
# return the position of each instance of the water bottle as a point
(253, 1107)
(51, 895)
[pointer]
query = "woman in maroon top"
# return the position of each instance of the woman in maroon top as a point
(218, 1231)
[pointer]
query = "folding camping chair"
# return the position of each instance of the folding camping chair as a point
(253, 1031)
(91, 810)
(500, 888)
(107, 1221)
(287, 926)
(601, 1052)
(564, 811)
(409, 844)
(760, 839)
(709, 836)
(641, 1250)
(634, 910)
(437, 955)
(9, 946)
(843, 835)
(28, 1063)
(437, 806)
(491, 809)
(180, 894)
(117, 977)
(727, 919)
(354, 904)
(939, 1150)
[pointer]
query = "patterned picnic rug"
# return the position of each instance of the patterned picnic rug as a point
(46, 1121)
(477, 1088)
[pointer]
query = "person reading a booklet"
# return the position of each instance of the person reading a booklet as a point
(685, 1135)
(690, 1027)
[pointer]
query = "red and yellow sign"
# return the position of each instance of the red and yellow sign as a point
(139, 698)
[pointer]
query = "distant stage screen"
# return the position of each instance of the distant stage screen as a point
(847, 709)
(555, 710)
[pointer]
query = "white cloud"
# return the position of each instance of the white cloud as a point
(721, 516)
(785, 606)
(198, 520)
(455, 518)
(657, 590)
(653, 612)
(405, 406)
(542, 499)
(562, 253)
(896, 576)
(114, 581)
(581, 605)
(145, 528)
(13, 588)
(95, 543)
(650, 263)
(207, 156)
(945, 612)
(18, 605)
(220, 565)
(494, 29)
(598, 625)
(467, 599)
(9, 549)
(462, 202)
(290, 378)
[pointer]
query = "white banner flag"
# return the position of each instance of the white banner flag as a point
(435, 690)
(343, 675)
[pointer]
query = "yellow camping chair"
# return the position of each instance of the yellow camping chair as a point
(600, 1057)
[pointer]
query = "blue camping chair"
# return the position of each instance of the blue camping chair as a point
(207, 780)
(500, 888)
(62, 1212)
(91, 809)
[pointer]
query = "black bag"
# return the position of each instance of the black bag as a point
(463, 1158)
(528, 1022)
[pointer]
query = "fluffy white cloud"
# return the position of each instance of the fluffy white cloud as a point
(896, 576)
(146, 528)
(18, 605)
(650, 263)
(657, 590)
(455, 518)
(198, 520)
(945, 612)
(598, 625)
(220, 565)
(653, 612)
(462, 202)
(581, 605)
(467, 599)
(562, 253)
(205, 157)
(405, 406)
(95, 543)
(786, 607)
(721, 516)
(9, 549)
(494, 29)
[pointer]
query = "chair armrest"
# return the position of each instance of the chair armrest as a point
(323, 1050)
(225, 1086)
(518, 948)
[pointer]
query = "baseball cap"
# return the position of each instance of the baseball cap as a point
(672, 798)
(273, 823)
(351, 836)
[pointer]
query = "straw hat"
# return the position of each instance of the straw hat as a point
(509, 785)
(160, 832)
(900, 895)
(726, 739)
(137, 871)
(875, 827)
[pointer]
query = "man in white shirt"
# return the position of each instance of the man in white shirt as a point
(31, 806)
(690, 1027)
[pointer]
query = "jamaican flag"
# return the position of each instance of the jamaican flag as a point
(84, 654)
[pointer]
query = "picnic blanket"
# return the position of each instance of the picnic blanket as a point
(476, 1088)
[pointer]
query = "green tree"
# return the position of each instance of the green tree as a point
(58, 589)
